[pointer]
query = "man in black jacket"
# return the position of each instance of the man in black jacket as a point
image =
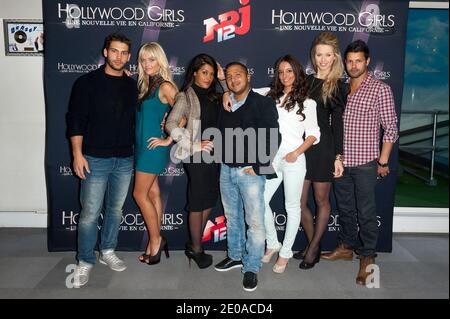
(250, 141)
(100, 125)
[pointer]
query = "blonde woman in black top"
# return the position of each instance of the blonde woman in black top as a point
(324, 160)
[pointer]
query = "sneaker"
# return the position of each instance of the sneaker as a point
(250, 281)
(109, 257)
(81, 275)
(228, 264)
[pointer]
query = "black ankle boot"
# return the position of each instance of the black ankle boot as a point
(202, 259)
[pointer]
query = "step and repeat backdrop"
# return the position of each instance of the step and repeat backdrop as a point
(253, 32)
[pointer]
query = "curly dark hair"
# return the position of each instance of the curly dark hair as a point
(300, 87)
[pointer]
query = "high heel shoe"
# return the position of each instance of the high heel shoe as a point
(202, 259)
(144, 258)
(307, 265)
(279, 269)
(300, 254)
(269, 254)
(155, 259)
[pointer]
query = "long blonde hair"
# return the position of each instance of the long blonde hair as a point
(154, 51)
(337, 69)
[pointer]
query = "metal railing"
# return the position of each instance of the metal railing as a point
(431, 181)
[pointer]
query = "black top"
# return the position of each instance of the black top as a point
(208, 109)
(320, 157)
(102, 109)
(258, 112)
(329, 114)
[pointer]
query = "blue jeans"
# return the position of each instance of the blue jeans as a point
(110, 176)
(241, 191)
(355, 196)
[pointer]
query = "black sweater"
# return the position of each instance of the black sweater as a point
(258, 112)
(102, 109)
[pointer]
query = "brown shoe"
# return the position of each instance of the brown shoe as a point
(364, 262)
(342, 251)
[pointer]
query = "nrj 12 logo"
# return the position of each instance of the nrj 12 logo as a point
(216, 231)
(227, 27)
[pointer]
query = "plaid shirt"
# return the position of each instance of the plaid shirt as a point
(371, 105)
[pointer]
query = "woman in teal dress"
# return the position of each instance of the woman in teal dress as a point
(156, 95)
(149, 117)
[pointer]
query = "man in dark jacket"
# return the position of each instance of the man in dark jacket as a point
(100, 125)
(250, 141)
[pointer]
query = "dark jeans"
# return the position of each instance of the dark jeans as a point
(355, 195)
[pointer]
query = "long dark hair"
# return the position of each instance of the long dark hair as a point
(196, 63)
(300, 87)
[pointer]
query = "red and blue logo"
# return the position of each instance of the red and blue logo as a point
(216, 231)
(227, 28)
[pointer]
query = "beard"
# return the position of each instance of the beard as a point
(356, 73)
(115, 67)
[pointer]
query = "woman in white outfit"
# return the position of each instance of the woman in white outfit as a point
(299, 130)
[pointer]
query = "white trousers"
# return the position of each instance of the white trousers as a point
(293, 176)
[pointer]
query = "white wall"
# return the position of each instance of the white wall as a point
(22, 121)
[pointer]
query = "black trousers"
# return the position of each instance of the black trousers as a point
(355, 196)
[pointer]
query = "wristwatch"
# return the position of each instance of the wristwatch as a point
(382, 164)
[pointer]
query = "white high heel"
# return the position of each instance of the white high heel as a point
(279, 269)
(267, 257)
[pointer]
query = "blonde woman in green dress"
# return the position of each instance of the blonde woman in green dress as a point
(156, 96)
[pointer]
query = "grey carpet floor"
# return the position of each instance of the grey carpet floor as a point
(418, 267)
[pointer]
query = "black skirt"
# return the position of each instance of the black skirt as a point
(320, 159)
(203, 185)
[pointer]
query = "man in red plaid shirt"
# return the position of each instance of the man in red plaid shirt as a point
(370, 105)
